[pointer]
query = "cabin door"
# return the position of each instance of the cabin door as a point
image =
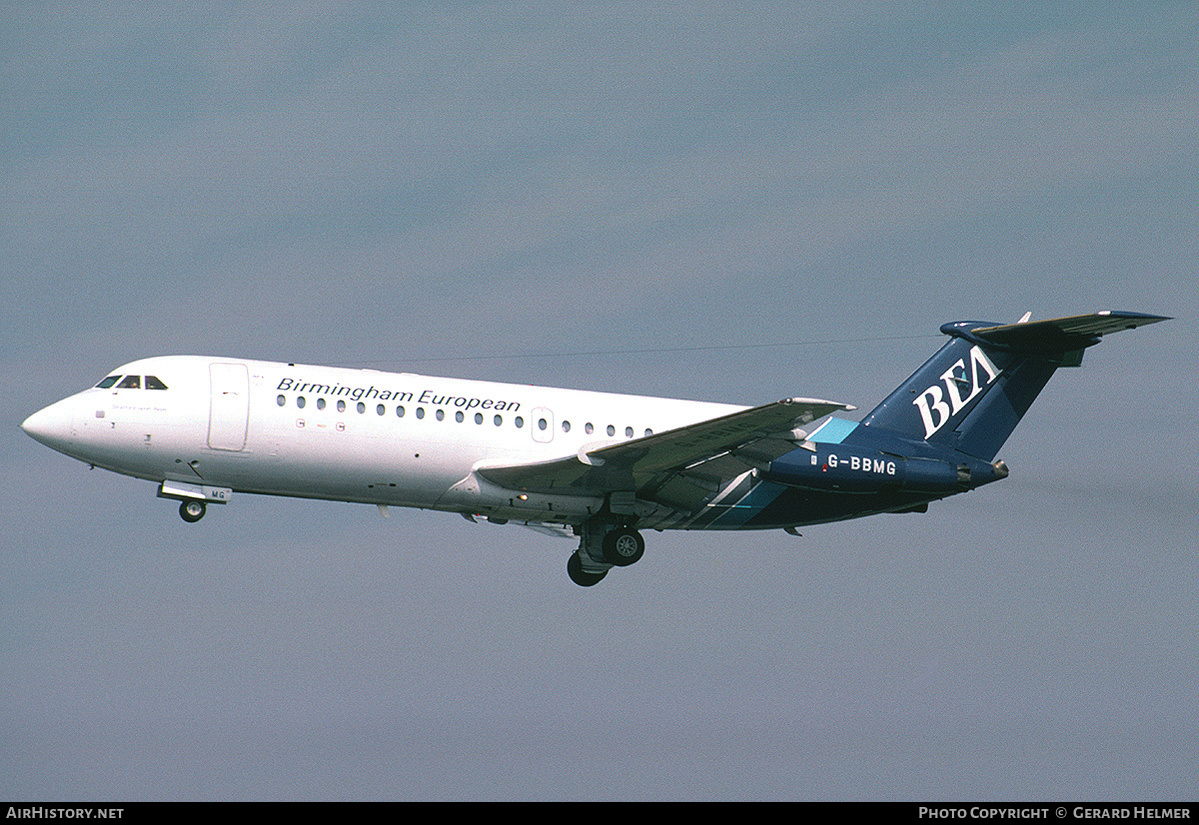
(229, 413)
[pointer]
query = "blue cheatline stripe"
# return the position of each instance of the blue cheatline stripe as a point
(760, 496)
(833, 431)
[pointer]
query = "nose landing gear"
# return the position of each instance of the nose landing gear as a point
(192, 510)
(193, 498)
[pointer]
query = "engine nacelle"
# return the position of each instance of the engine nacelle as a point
(856, 470)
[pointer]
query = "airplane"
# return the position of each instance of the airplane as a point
(598, 466)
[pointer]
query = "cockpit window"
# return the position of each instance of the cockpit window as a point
(132, 382)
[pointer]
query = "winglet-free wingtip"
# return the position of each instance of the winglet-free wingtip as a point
(837, 404)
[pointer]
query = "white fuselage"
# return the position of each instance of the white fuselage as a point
(605, 466)
(347, 434)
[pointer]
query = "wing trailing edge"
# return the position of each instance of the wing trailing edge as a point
(629, 465)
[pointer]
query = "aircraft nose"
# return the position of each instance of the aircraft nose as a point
(52, 426)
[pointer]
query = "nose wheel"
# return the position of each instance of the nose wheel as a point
(192, 510)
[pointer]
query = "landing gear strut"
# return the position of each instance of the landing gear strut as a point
(192, 510)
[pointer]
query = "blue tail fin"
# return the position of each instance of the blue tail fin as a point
(972, 393)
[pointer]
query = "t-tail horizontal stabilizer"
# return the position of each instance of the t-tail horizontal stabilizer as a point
(972, 393)
(1065, 338)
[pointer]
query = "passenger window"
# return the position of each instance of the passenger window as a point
(628, 432)
(611, 430)
(152, 383)
(320, 403)
(381, 409)
(281, 400)
(565, 426)
(300, 401)
(519, 422)
(131, 382)
(588, 428)
(420, 412)
(440, 415)
(400, 412)
(108, 382)
(458, 416)
(478, 418)
(361, 407)
(341, 405)
(499, 419)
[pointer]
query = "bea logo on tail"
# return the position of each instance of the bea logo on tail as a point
(934, 410)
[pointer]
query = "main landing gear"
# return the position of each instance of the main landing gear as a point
(623, 546)
(601, 548)
(581, 577)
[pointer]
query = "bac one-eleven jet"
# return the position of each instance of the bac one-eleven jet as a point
(600, 466)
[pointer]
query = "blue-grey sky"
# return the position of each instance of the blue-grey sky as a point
(735, 202)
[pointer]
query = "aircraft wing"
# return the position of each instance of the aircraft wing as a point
(716, 449)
